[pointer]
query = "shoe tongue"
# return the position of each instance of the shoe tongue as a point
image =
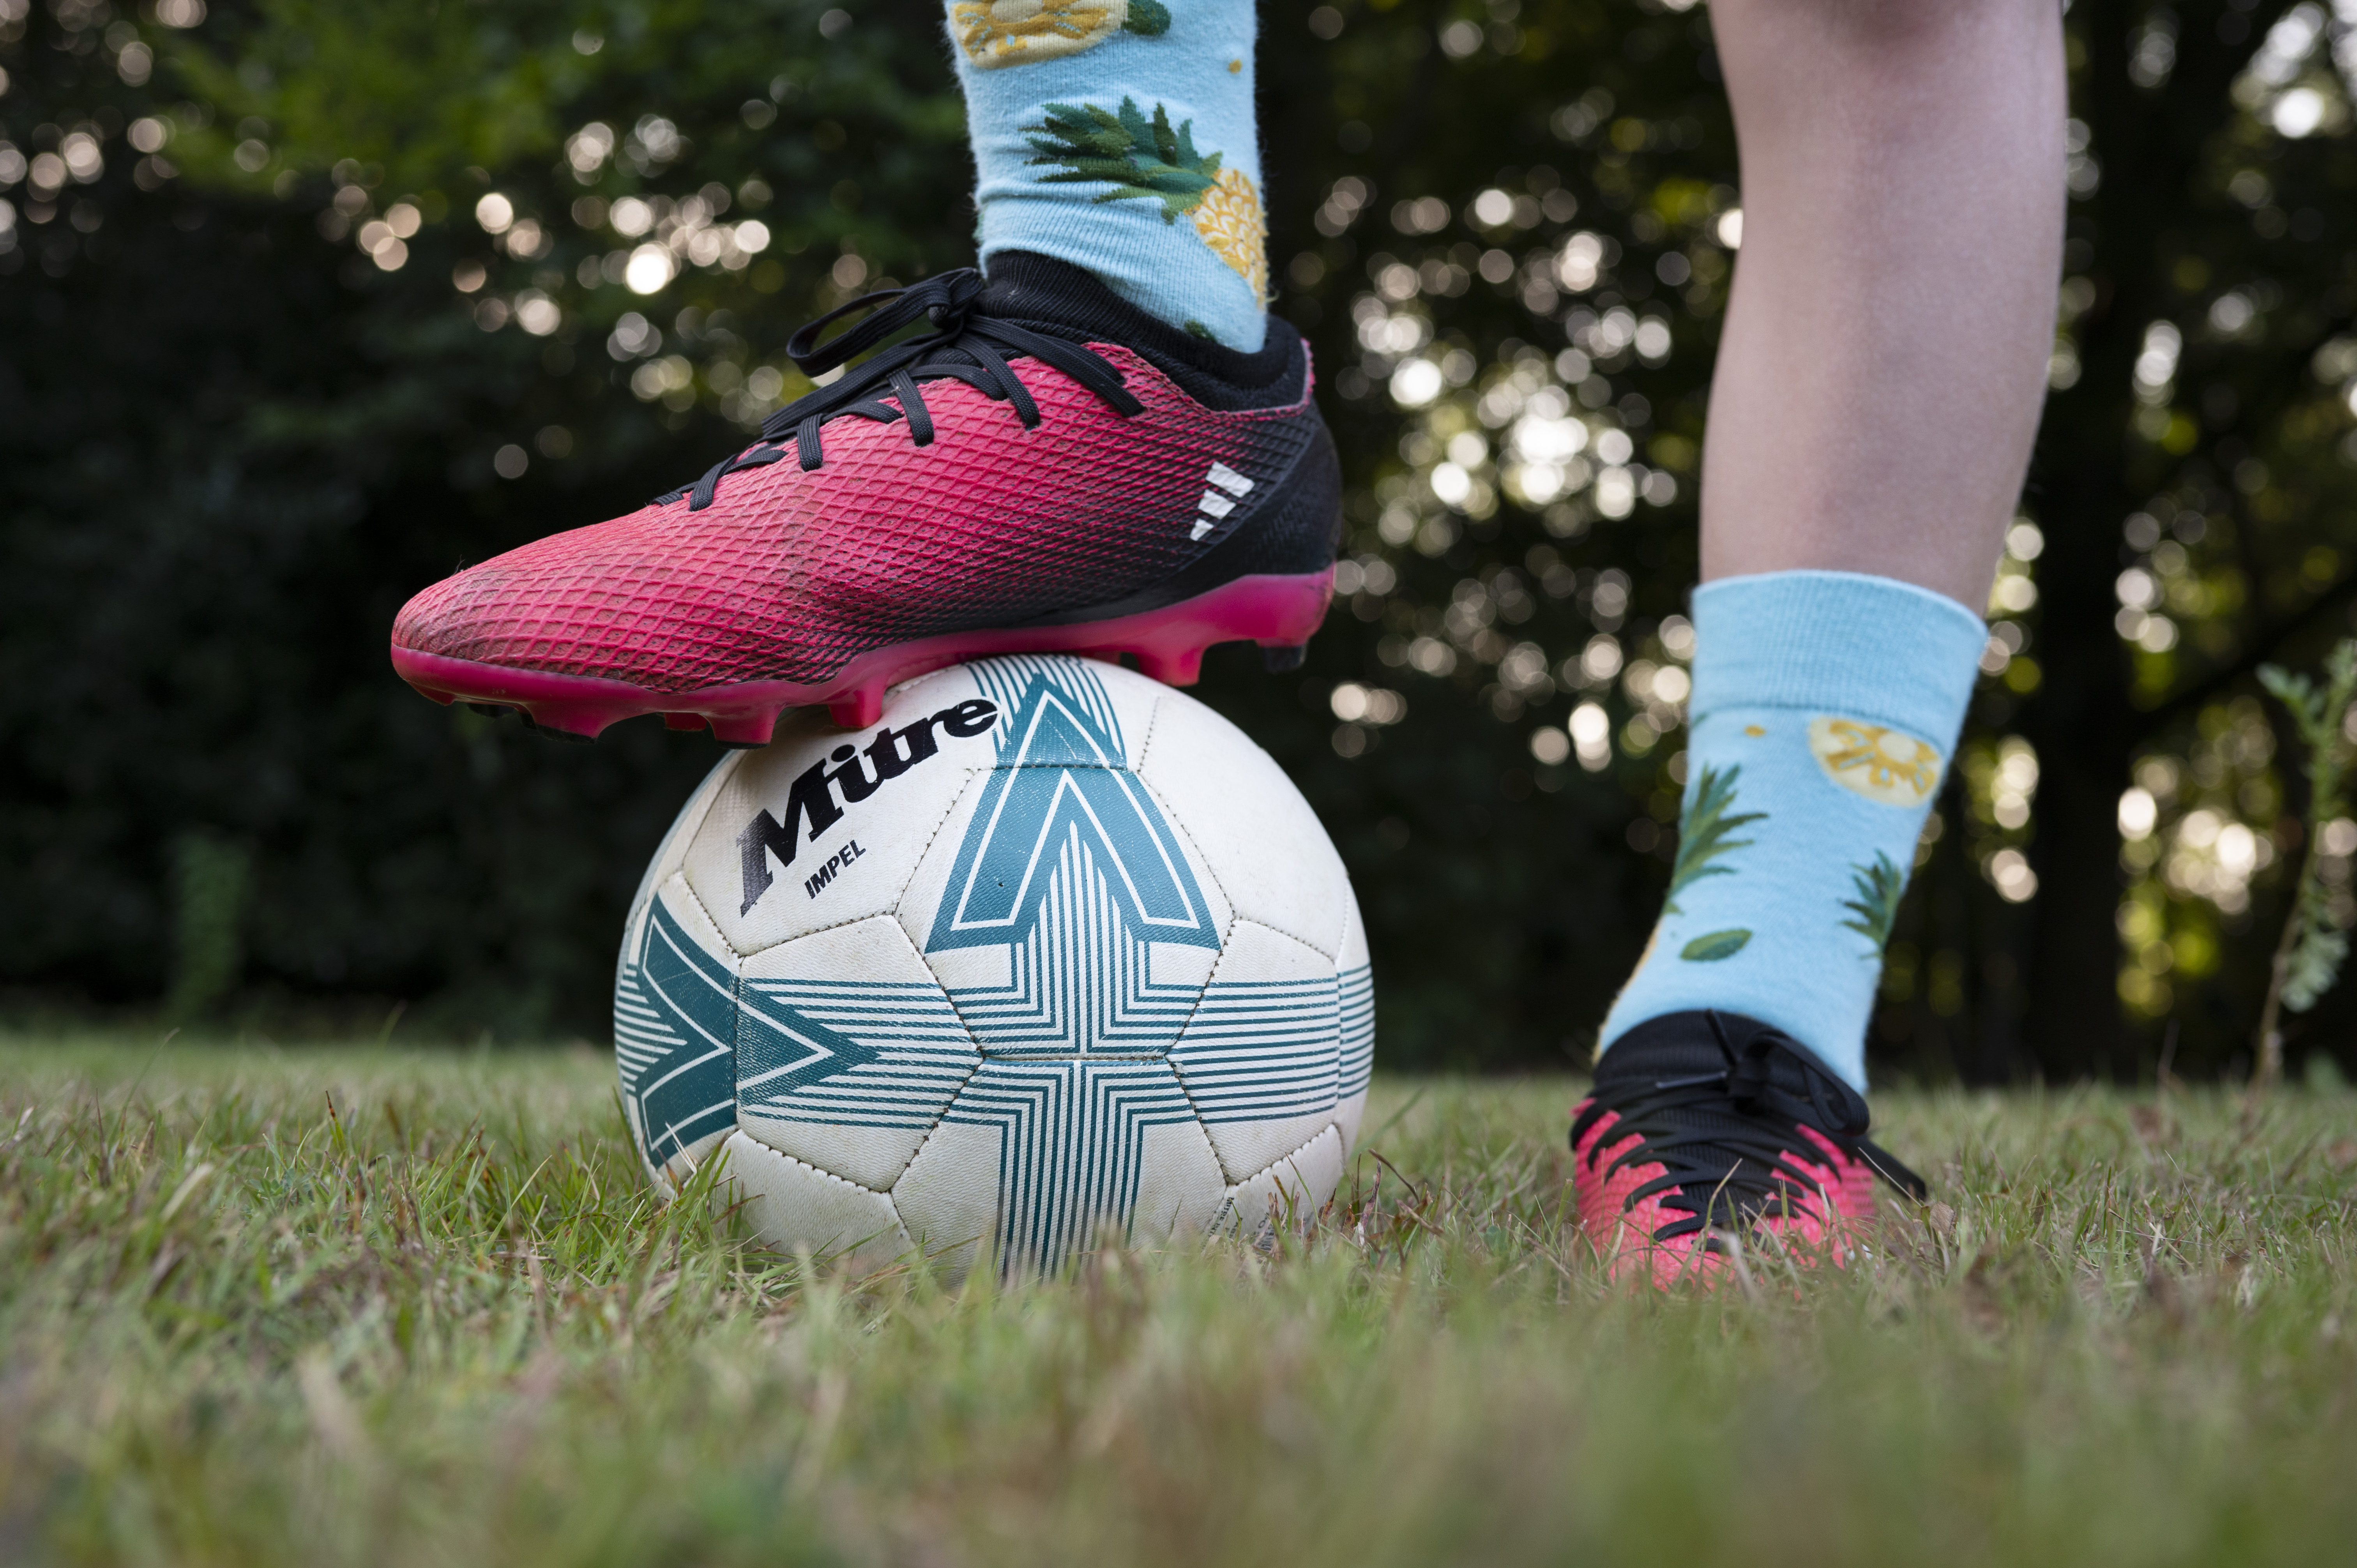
(1676, 1044)
(1686, 1045)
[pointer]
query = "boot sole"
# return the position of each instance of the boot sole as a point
(1278, 612)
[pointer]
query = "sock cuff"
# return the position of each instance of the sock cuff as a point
(1872, 648)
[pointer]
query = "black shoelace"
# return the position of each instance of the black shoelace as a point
(1731, 1136)
(965, 345)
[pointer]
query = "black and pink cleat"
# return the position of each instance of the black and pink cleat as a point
(1049, 470)
(1709, 1131)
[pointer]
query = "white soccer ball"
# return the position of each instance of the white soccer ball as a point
(1051, 948)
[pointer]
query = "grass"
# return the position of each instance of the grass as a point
(363, 1307)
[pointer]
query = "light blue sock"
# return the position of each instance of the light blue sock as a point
(1824, 709)
(1119, 135)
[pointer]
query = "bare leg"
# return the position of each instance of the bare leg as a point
(1879, 380)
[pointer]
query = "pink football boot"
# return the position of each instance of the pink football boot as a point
(1048, 469)
(1708, 1131)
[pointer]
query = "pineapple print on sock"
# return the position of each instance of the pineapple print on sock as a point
(1702, 843)
(1875, 908)
(1230, 221)
(1121, 137)
(1893, 768)
(1150, 160)
(998, 33)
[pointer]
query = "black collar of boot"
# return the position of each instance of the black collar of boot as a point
(1051, 295)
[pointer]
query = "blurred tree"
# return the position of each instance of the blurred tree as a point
(324, 299)
(2197, 471)
(251, 398)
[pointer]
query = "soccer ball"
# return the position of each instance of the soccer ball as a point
(1050, 950)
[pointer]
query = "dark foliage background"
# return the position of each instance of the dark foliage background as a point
(269, 363)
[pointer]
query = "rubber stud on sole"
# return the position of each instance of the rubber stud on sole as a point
(745, 732)
(1277, 660)
(546, 726)
(857, 710)
(1180, 668)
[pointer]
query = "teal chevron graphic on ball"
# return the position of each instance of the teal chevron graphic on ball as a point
(675, 1037)
(1062, 778)
(1051, 955)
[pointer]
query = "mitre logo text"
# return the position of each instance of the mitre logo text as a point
(858, 774)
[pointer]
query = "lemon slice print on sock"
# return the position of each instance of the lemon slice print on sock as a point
(1150, 159)
(995, 33)
(1880, 763)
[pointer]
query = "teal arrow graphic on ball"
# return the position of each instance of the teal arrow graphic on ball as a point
(693, 1040)
(1061, 776)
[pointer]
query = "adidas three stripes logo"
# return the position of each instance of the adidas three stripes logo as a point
(1215, 505)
